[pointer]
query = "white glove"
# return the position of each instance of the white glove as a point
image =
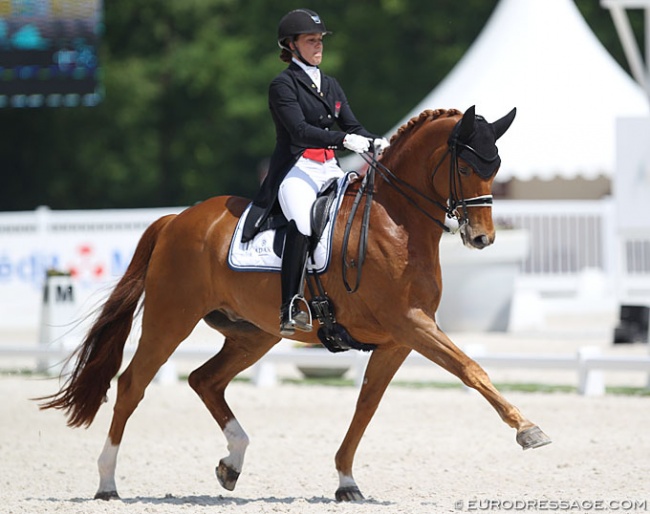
(381, 143)
(356, 143)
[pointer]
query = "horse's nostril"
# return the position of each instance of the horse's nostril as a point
(481, 241)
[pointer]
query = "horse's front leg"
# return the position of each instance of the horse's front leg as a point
(382, 365)
(434, 344)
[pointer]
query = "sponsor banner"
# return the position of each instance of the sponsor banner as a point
(94, 247)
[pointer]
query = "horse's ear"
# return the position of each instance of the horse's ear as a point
(467, 124)
(501, 125)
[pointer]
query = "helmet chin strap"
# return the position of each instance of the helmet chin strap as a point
(297, 53)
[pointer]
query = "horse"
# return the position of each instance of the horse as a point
(179, 276)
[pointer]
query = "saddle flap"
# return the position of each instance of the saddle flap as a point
(320, 210)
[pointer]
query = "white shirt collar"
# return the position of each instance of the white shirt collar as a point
(312, 71)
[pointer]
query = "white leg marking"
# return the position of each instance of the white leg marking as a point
(346, 481)
(237, 444)
(106, 464)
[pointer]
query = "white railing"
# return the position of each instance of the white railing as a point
(634, 256)
(588, 363)
(565, 236)
(570, 236)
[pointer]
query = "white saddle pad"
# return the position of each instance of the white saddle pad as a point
(258, 254)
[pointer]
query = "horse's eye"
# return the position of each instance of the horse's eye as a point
(464, 170)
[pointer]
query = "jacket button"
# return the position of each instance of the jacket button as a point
(329, 116)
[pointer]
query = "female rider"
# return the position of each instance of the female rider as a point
(305, 104)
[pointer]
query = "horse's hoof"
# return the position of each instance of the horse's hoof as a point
(349, 494)
(227, 476)
(107, 495)
(532, 437)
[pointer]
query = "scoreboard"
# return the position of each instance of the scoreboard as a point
(48, 53)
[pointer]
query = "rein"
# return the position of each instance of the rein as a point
(395, 182)
(367, 189)
(456, 199)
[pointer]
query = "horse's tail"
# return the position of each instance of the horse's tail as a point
(99, 356)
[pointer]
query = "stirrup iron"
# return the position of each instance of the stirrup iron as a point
(297, 318)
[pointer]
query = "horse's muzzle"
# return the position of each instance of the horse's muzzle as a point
(477, 240)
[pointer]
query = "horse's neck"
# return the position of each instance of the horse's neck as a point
(396, 219)
(406, 207)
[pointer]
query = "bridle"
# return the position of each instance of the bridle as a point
(456, 199)
(456, 196)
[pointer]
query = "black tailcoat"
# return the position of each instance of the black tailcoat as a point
(303, 119)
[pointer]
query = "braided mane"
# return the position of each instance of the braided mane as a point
(410, 126)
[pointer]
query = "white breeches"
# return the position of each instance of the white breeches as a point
(299, 188)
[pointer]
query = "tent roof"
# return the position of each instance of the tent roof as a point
(541, 57)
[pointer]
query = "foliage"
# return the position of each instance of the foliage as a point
(185, 112)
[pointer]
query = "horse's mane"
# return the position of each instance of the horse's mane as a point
(417, 121)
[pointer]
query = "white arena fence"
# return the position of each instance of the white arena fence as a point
(570, 236)
(566, 237)
(588, 363)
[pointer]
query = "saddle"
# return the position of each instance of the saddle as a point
(320, 210)
(319, 217)
(264, 252)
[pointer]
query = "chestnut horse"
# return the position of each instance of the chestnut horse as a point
(440, 164)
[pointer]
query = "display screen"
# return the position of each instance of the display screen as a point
(48, 53)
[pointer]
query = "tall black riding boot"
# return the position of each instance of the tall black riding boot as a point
(294, 257)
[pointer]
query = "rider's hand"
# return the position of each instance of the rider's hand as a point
(356, 143)
(381, 143)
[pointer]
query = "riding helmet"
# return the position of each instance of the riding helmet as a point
(299, 21)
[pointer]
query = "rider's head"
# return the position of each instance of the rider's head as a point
(300, 34)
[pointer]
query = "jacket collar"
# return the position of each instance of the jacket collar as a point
(304, 79)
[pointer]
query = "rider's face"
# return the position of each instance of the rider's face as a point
(310, 47)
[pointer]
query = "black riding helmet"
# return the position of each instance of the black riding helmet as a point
(296, 22)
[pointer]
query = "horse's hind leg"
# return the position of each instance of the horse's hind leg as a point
(157, 342)
(243, 346)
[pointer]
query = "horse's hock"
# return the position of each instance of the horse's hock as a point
(479, 285)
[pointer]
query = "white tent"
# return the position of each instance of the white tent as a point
(541, 57)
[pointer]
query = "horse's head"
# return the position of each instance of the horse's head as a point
(473, 162)
(447, 160)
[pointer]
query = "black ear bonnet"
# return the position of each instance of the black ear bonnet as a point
(475, 141)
